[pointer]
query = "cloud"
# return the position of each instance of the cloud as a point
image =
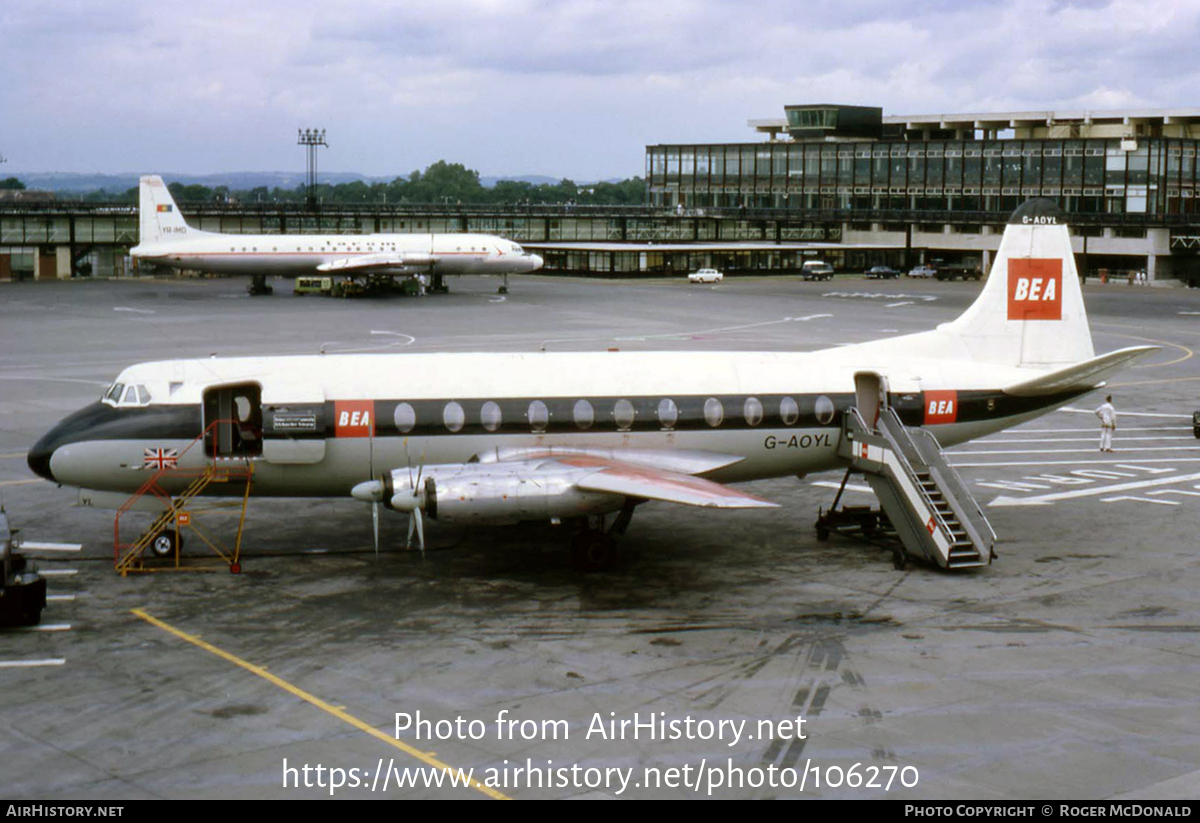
(574, 88)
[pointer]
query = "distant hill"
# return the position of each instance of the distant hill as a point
(82, 183)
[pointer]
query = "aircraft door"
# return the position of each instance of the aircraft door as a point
(237, 412)
(870, 396)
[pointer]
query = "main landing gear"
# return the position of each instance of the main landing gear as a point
(258, 285)
(594, 548)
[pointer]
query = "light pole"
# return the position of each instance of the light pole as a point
(312, 138)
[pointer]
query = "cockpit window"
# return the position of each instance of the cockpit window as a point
(120, 394)
(517, 249)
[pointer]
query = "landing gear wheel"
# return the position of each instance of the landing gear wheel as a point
(899, 560)
(822, 531)
(164, 543)
(593, 551)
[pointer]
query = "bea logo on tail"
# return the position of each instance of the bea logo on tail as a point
(1034, 289)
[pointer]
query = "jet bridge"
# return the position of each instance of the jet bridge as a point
(931, 510)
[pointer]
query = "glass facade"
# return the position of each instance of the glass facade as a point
(1152, 176)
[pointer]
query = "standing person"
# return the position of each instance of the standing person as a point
(1108, 423)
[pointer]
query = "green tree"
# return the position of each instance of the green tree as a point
(12, 184)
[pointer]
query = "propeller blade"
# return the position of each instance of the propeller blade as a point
(375, 525)
(420, 530)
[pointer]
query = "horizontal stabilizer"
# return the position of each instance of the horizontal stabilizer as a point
(1088, 374)
(668, 486)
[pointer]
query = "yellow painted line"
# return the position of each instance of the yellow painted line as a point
(1188, 353)
(14, 454)
(314, 700)
(21, 482)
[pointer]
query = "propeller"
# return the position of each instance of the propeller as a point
(373, 492)
(412, 500)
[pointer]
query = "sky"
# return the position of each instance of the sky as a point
(574, 89)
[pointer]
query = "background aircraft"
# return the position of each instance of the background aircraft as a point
(166, 239)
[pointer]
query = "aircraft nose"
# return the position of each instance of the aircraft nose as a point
(39, 458)
(536, 261)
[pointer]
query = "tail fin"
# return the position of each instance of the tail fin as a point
(1030, 312)
(158, 215)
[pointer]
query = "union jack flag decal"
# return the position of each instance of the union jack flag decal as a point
(159, 459)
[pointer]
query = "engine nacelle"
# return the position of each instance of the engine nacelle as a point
(494, 493)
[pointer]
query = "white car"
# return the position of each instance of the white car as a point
(923, 271)
(706, 276)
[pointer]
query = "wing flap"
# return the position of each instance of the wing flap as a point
(1088, 374)
(388, 261)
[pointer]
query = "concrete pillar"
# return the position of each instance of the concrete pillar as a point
(987, 262)
(62, 262)
(1151, 261)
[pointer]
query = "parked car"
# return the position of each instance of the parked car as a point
(706, 276)
(882, 272)
(816, 270)
(923, 271)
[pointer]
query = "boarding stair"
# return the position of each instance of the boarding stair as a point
(923, 498)
(177, 511)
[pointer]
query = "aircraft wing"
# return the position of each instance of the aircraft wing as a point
(382, 262)
(669, 486)
(1088, 374)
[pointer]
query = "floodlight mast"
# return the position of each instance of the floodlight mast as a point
(312, 139)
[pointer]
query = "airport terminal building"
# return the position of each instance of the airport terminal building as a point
(844, 184)
(944, 183)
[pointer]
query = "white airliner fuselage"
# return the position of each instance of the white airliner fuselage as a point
(166, 239)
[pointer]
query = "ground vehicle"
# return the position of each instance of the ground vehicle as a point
(958, 271)
(1196, 424)
(882, 272)
(22, 589)
(923, 271)
(313, 285)
(816, 270)
(706, 276)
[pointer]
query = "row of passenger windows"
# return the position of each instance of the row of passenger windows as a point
(583, 414)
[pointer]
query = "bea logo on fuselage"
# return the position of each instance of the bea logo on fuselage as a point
(941, 407)
(1034, 289)
(354, 418)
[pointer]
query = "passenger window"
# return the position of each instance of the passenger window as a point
(489, 416)
(405, 418)
(584, 415)
(668, 413)
(825, 410)
(789, 411)
(714, 412)
(753, 411)
(453, 416)
(539, 416)
(623, 413)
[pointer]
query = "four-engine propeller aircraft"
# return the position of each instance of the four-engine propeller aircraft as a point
(167, 239)
(506, 437)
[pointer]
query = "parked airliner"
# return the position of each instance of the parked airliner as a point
(505, 437)
(167, 239)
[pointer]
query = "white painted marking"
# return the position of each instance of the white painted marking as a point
(1190, 312)
(999, 464)
(20, 482)
(1134, 499)
(1176, 491)
(1046, 499)
(497, 299)
(49, 627)
(58, 572)
(25, 664)
(1022, 430)
(850, 487)
(409, 337)
(1008, 440)
(1121, 414)
(135, 311)
(60, 597)
(51, 547)
(1137, 449)
(901, 303)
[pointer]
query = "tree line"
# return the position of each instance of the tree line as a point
(441, 183)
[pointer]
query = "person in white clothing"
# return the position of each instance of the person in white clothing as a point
(1108, 423)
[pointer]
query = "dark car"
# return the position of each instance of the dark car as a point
(882, 272)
